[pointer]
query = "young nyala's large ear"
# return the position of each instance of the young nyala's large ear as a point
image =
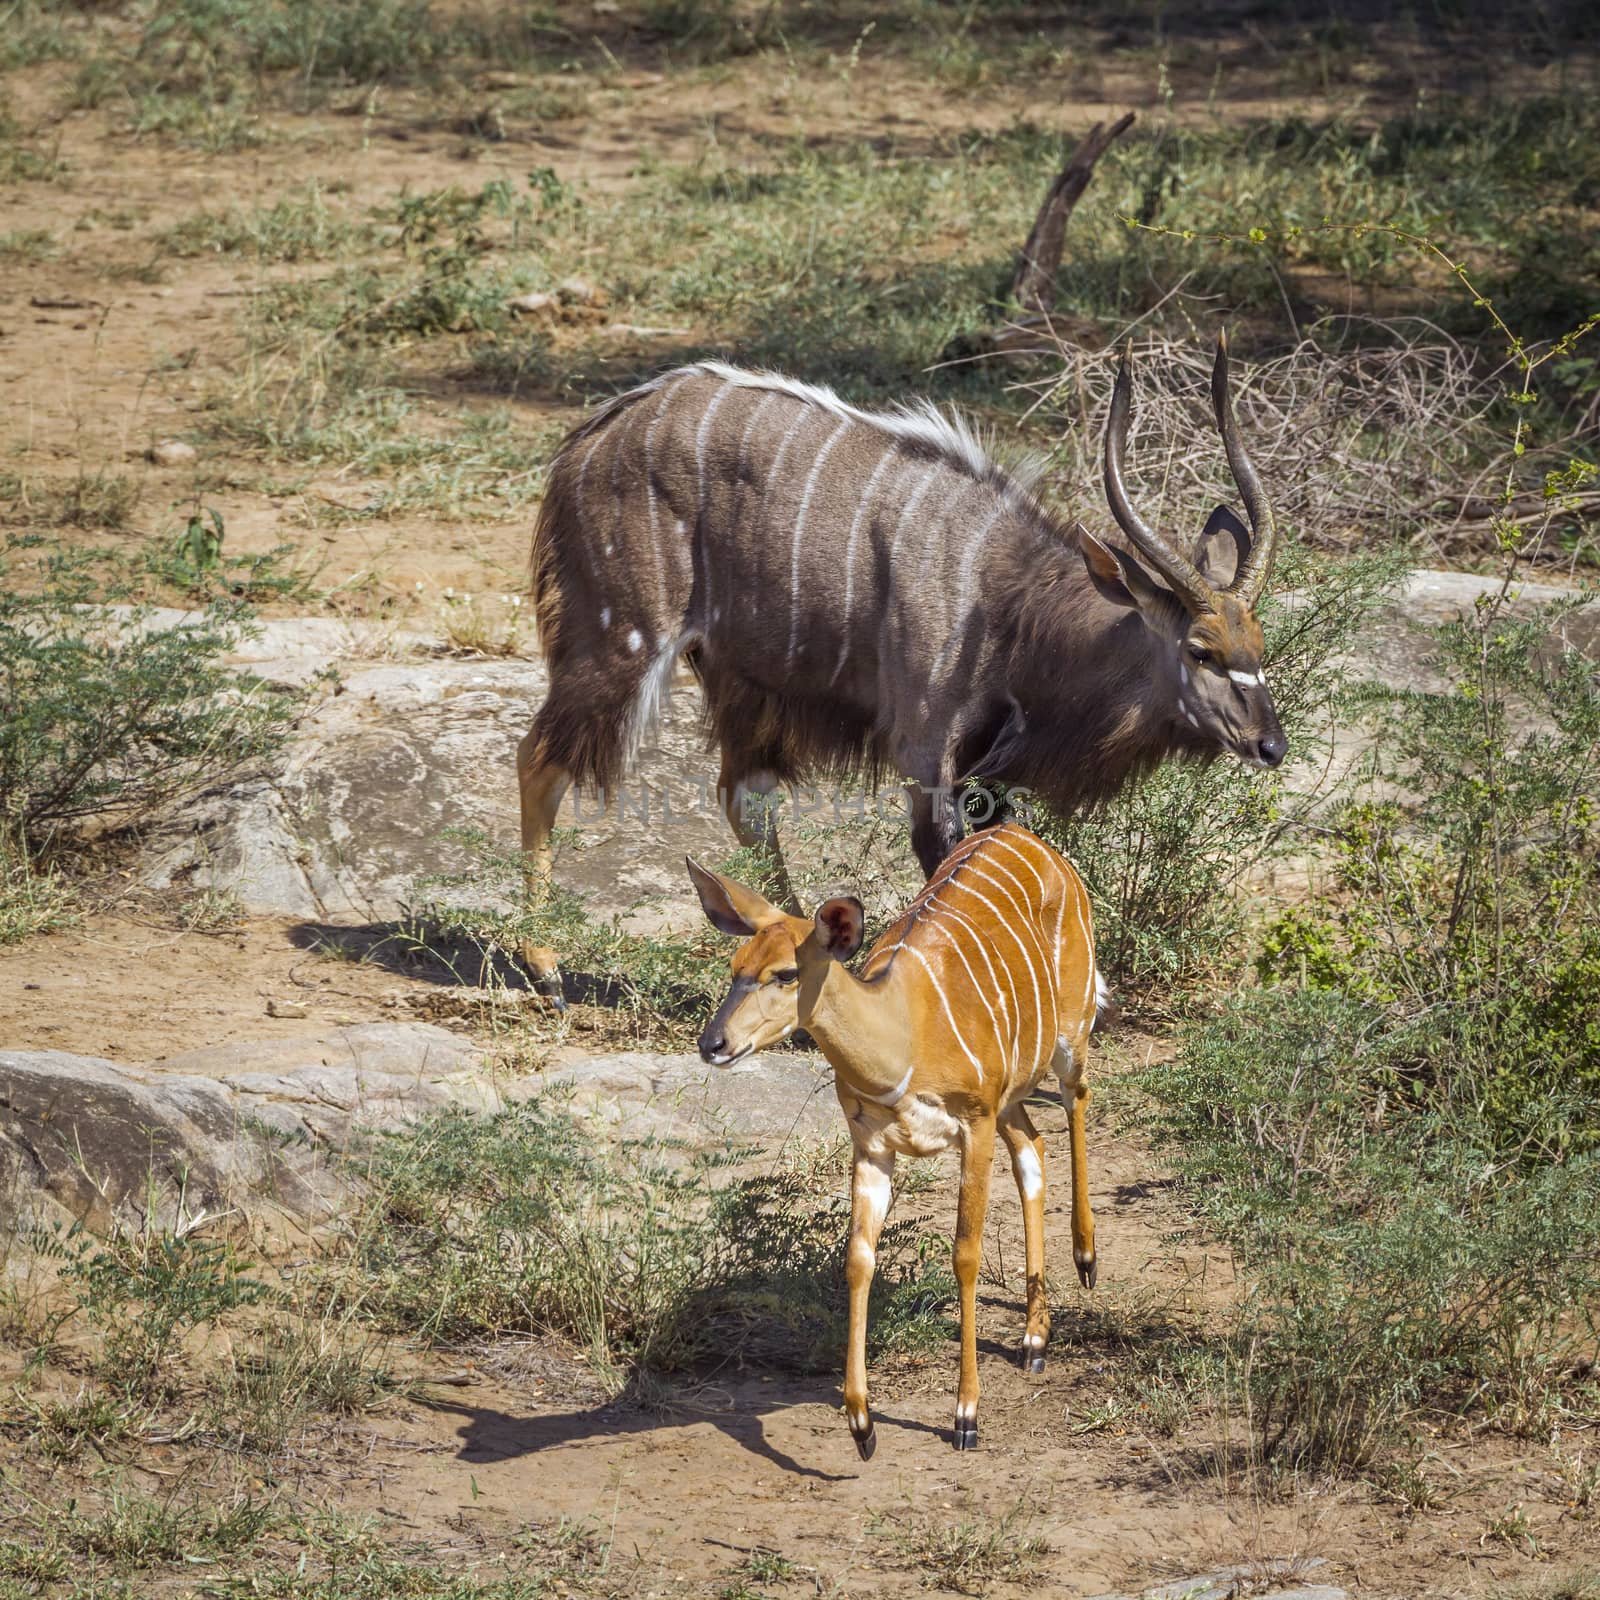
(841, 925)
(1118, 577)
(729, 906)
(1222, 547)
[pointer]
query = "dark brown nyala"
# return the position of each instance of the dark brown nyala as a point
(868, 591)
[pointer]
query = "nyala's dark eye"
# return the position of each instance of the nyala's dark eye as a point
(1200, 653)
(787, 976)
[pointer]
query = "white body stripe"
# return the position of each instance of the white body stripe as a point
(895, 1095)
(700, 447)
(944, 1004)
(850, 556)
(972, 978)
(939, 908)
(1033, 977)
(909, 508)
(1095, 986)
(963, 600)
(799, 534)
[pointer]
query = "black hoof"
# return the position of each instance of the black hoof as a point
(966, 1434)
(1033, 1360)
(866, 1443)
(1088, 1272)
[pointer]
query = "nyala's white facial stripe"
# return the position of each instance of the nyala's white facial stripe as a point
(1248, 678)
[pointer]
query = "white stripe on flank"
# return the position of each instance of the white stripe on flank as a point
(963, 601)
(700, 434)
(1027, 913)
(850, 557)
(1012, 840)
(1033, 976)
(911, 505)
(583, 474)
(799, 531)
(749, 427)
(972, 977)
(1003, 841)
(1020, 901)
(1014, 1011)
(945, 1005)
(1088, 945)
(700, 449)
(650, 490)
(895, 1095)
(802, 417)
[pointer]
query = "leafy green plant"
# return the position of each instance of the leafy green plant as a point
(107, 710)
(146, 1290)
(199, 547)
(1396, 1266)
(1397, 1134)
(525, 1222)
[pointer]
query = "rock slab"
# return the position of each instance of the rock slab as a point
(246, 1127)
(253, 1127)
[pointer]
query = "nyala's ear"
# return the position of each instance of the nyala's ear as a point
(729, 906)
(1222, 547)
(1117, 576)
(841, 925)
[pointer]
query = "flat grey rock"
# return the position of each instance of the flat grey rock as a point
(254, 1127)
(249, 1126)
(769, 1099)
(377, 775)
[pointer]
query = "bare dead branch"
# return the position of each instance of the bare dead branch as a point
(1033, 286)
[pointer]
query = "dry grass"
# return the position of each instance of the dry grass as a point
(1396, 440)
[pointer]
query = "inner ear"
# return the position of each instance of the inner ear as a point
(730, 907)
(1115, 574)
(1222, 548)
(841, 925)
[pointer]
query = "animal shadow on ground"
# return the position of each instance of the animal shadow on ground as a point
(427, 954)
(488, 1435)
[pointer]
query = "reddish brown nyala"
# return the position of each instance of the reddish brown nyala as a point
(984, 983)
(868, 591)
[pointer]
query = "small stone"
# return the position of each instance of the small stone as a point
(579, 291)
(285, 1008)
(172, 453)
(528, 305)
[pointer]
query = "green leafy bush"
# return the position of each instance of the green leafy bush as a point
(1467, 895)
(1398, 1265)
(108, 710)
(525, 1222)
(144, 1291)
